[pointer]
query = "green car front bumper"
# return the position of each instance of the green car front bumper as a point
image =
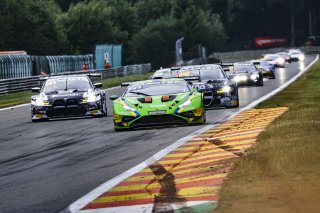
(150, 117)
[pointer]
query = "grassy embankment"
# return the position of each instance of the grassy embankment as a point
(282, 172)
(24, 97)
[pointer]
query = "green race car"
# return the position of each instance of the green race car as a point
(158, 102)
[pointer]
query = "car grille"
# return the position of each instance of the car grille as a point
(65, 108)
(156, 120)
(66, 112)
(71, 102)
(59, 102)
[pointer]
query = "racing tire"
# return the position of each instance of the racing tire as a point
(105, 109)
(121, 130)
(204, 118)
(237, 105)
(272, 77)
(39, 120)
(259, 84)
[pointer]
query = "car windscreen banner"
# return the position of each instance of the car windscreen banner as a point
(264, 42)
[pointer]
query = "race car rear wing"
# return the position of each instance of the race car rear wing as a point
(94, 75)
(226, 66)
(191, 78)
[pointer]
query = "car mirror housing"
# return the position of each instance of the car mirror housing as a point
(98, 85)
(113, 97)
(35, 89)
(201, 88)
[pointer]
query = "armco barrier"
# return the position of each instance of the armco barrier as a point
(24, 84)
(255, 54)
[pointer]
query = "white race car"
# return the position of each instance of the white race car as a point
(296, 55)
(275, 59)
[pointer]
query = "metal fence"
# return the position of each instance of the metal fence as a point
(22, 66)
(15, 66)
(24, 84)
(67, 63)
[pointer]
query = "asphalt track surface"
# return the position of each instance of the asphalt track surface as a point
(46, 166)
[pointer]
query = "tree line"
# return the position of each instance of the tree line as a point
(148, 29)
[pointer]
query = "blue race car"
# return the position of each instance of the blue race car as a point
(268, 70)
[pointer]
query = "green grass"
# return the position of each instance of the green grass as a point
(281, 173)
(24, 97)
(15, 99)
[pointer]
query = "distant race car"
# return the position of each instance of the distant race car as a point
(68, 96)
(296, 55)
(275, 59)
(286, 56)
(245, 74)
(165, 73)
(220, 91)
(158, 102)
(268, 70)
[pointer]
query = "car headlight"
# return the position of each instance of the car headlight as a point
(301, 57)
(240, 78)
(128, 108)
(185, 104)
(91, 98)
(226, 89)
(254, 76)
(281, 61)
(41, 102)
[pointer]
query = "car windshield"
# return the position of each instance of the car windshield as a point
(211, 74)
(242, 68)
(271, 57)
(157, 88)
(296, 52)
(69, 83)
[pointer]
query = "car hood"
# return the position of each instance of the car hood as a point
(124, 105)
(212, 83)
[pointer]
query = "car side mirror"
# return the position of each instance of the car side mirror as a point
(35, 89)
(201, 88)
(113, 97)
(98, 85)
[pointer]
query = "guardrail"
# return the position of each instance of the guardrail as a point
(24, 84)
(254, 54)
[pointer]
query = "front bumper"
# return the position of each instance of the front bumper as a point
(83, 109)
(214, 99)
(184, 118)
(268, 73)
